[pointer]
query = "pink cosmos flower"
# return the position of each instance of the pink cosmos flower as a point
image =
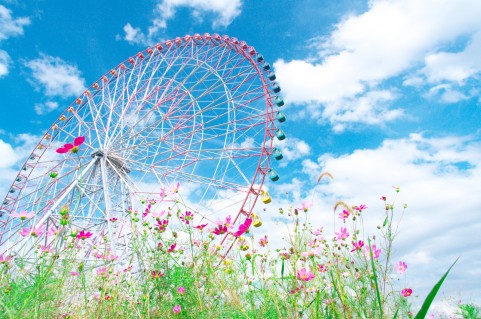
(156, 274)
(187, 217)
(74, 273)
(201, 227)
(357, 246)
(343, 234)
(5, 260)
(305, 206)
(23, 215)
(344, 214)
(305, 275)
(32, 231)
(84, 235)
(181, 290)
(157, 215)
(243, 227)
(102, 272)
(220, 230)
(177, 309)
(52, 231)
(175, 189)
(44, 249)
(322, 268)
(406, 292)
(227, 223)
(71, 147)
(401, 267)
(360, 208)
(263, 241)
(375, 252)
(113, 219)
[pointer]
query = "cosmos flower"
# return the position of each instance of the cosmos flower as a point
(343, 234)
(375, 252)
(406, 292)
(263, 241)
(201, 227)
(177, 309)
(305, 275)
(220, 230)
(305, 206)
(344, 214)
(357, 246)
(71, 147)
(243, 227)
(84, 235)
(23, 215)
(32, 231)
(5, 260)
(401, 267)
(187, 217)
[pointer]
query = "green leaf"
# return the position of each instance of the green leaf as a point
(429, 299)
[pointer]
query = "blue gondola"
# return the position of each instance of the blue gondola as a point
(279, 101)
(281, 117)
(277, 153)
(280, 135)
(273, 175)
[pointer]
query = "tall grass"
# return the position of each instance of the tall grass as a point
(179, 270)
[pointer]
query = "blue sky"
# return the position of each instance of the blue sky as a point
(379, 93)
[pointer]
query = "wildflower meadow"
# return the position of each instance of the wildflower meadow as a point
(194, 268)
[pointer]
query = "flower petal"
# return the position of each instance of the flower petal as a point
(79, 141)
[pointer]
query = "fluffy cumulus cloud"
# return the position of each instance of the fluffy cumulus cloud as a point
(9, 27)
(392, 38)
(44, 108)
(223, 12)
(13, 153)
(439, 181)
(56, 77)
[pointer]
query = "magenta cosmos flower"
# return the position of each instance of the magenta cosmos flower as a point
(406, 292)
(243, 227)
(84, 235)
(187, 217)
(181, 290)
(220, 230)
(23, 215)
(71, 147)
(357, 246)
(305, 275)
(177, 309)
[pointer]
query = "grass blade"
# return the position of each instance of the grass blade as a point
(429, 299)
(375, 279)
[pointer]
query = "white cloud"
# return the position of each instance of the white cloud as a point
(12, 155)
(4, 62)
(454, 66)
(389, 39)
(292, 149)
(224, 12)
(10, 27)
(439, 180)
(47, 107)
(56, 77)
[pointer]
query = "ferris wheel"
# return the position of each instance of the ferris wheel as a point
(198, 111)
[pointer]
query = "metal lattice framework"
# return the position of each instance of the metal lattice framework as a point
(196, 110)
